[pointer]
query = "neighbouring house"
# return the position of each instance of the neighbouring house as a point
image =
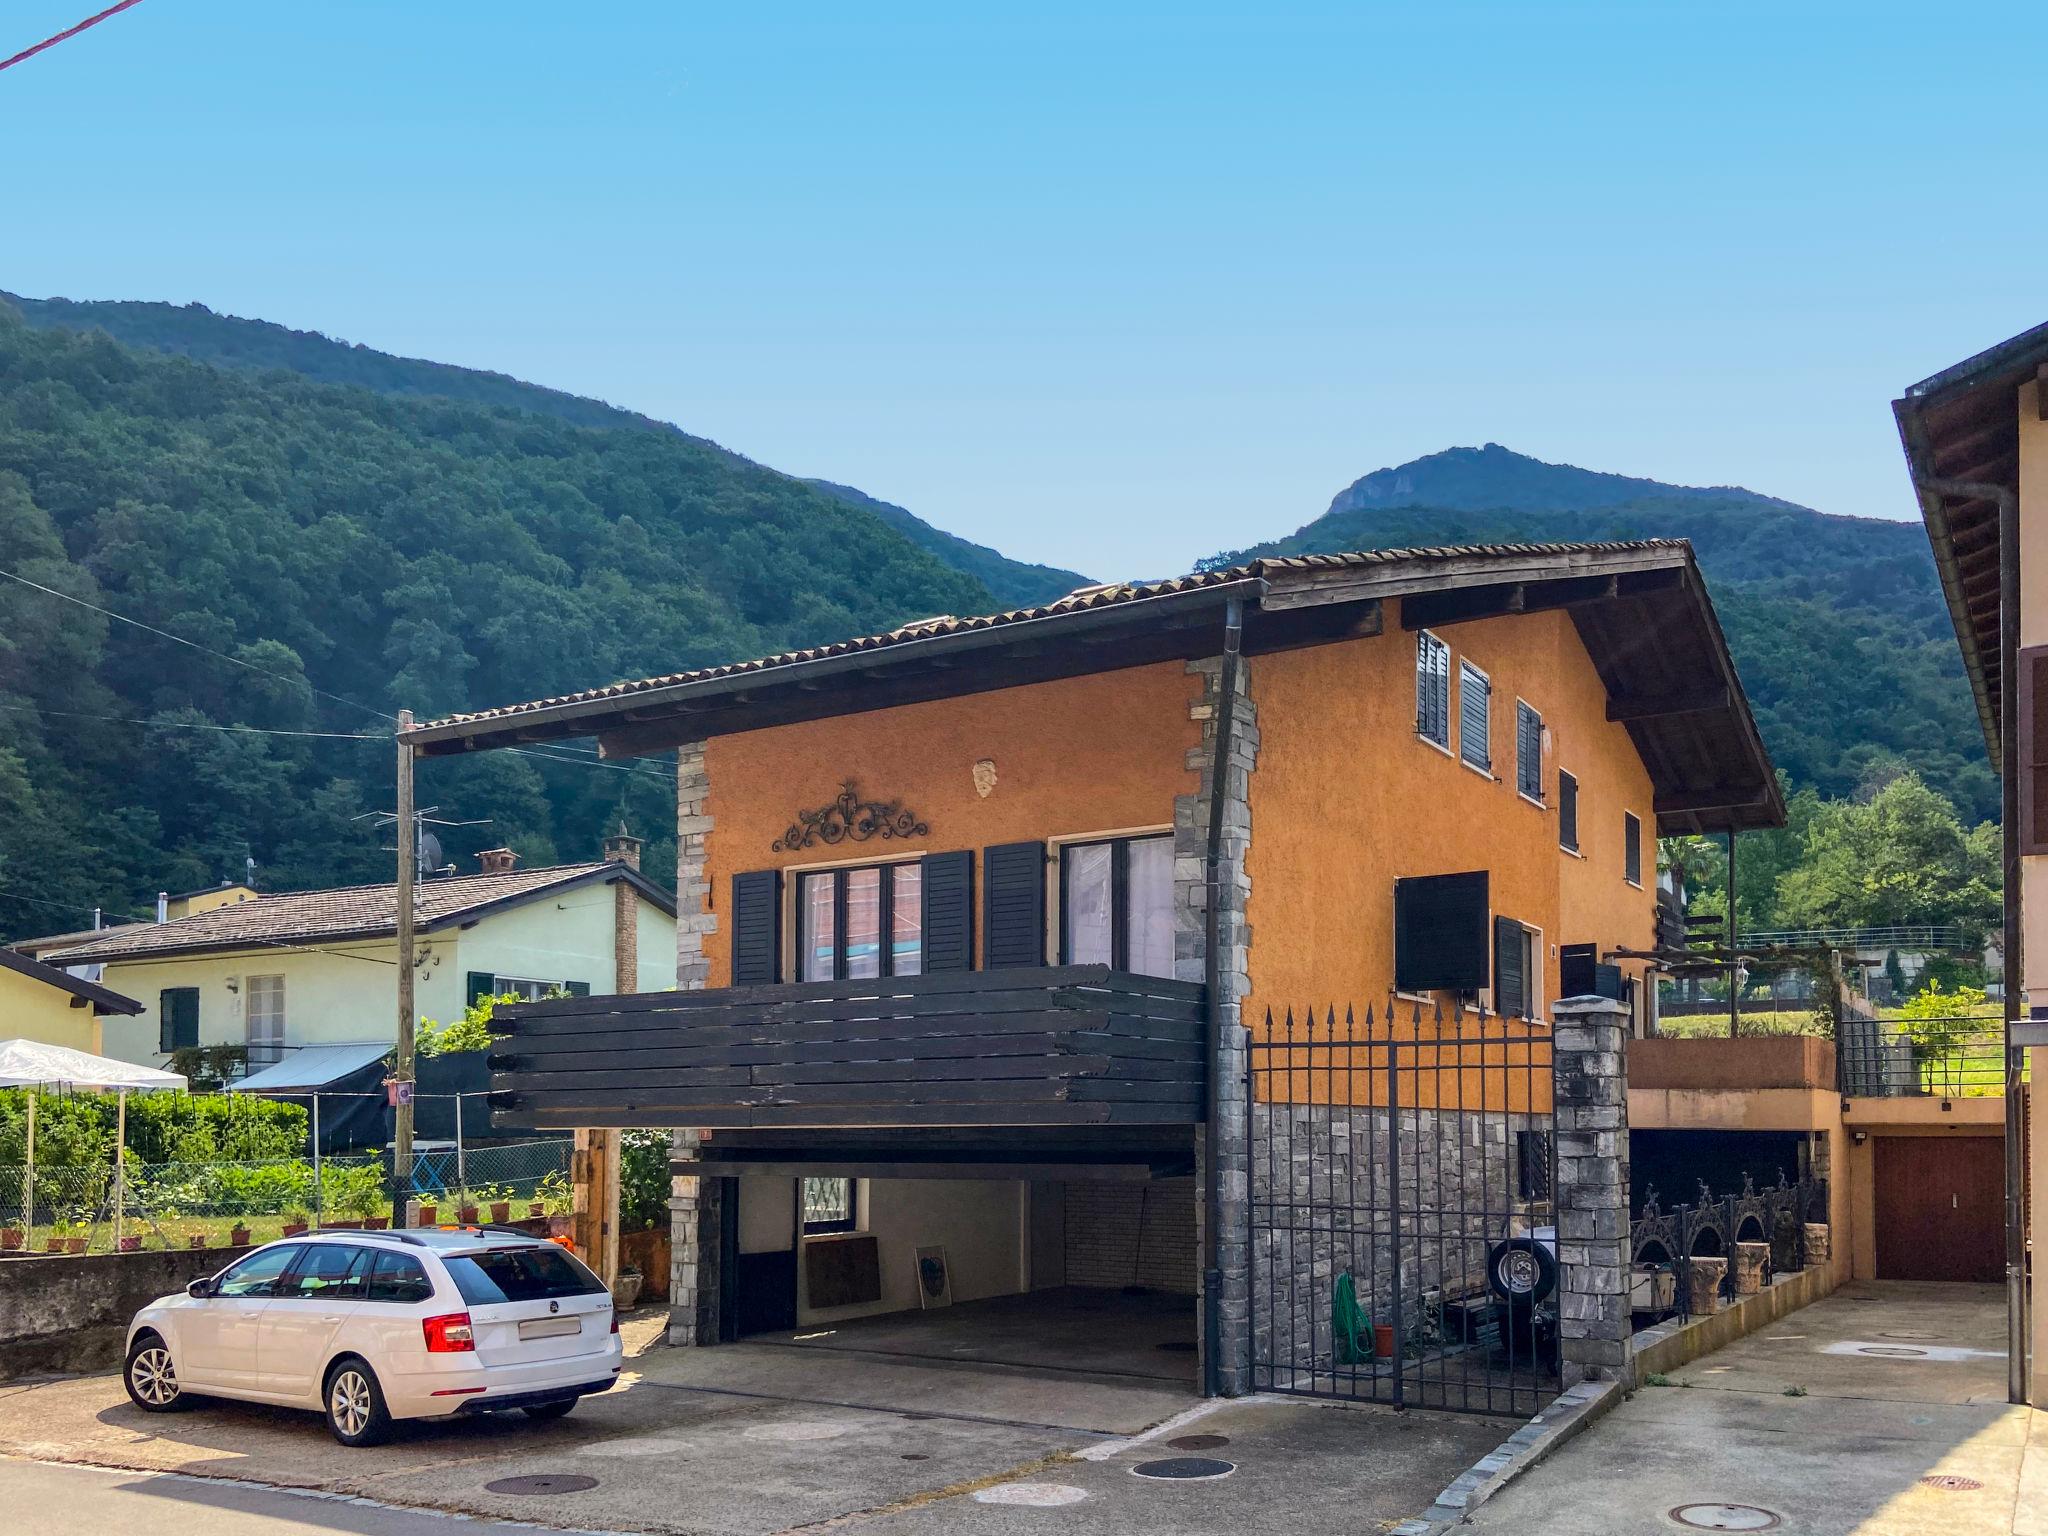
(40, 1002)
(1976, 443)
(1102, 947)
(287, 970)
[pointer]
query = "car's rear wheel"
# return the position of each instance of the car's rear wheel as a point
(152, 1376)
(546, 1411)
(355, 1409)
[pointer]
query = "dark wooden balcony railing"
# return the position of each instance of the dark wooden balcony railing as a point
(1062, 1045)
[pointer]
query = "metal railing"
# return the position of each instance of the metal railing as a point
(1910, 936)
(1662, 1244)
(1961, 1056)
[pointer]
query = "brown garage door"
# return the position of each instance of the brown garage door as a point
(1940, 1207)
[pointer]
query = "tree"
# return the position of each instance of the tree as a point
(1901, 858)
(1940, 1024)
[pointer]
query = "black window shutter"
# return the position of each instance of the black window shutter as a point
(1440, 932)
(482, 984)
(177, 1013)
(1013, 905)
(757, 928)
(1528, 751)
(1632, 847)
(2033, 743)
(1475, 718)
(948, 900)
(1510, 985)
(1567, 811)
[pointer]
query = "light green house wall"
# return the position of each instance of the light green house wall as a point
(345, 993)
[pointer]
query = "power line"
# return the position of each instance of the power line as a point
(195, 725)
(68, 32)
(282, 677)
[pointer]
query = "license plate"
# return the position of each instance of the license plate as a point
(549, 1327)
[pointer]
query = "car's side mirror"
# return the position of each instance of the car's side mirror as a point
(200, 1288)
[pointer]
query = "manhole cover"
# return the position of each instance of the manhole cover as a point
(1179, 1468)
(1200, 1442)
(1725, 1517)
(1032, 1495)
(1177, 1346)
(1948, 1482)
(541, 1483)
(1892, 1352)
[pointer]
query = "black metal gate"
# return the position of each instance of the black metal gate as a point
(1402, 1237)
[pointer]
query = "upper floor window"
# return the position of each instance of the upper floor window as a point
(1632, 848)
(1433, 690)
(177, 1018)
(526, 989)
(1116, 904)
(1475, 717)
(1567, 811)
(857, 923)
(1528, 752)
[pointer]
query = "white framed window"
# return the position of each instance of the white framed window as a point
(1528, 752)
(1433, 690)
(1475, 717)
(263, 1005)
(528, 989)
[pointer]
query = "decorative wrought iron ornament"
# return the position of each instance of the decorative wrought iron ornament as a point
(849, 819)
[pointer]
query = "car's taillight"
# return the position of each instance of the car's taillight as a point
(448, 1334)
(615, 1322)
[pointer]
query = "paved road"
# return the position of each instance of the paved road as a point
(1879, 1411)
(164, 1504)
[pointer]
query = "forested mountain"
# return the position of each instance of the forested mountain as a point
(194, 331)
(356, 552)
(1836, 623)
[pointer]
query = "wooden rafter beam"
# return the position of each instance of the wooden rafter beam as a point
(1656, 706)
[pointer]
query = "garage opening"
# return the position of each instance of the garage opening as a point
(1089, 1268)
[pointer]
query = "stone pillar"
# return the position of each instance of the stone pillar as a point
(693, 1206)
(1591, 1097)
(1751, 1260)
(1227, 1140)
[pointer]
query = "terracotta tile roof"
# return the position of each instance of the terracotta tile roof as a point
(348, 912)
(1081, 600)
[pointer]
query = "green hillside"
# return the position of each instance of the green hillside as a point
(1836, 623)
(194, 331)
(425, 552)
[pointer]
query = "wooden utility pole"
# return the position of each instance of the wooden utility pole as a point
(401, 1144)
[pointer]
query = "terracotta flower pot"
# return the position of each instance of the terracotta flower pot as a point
(196, 1240)
(238, 1237)
(130, 1245)
(74, 1245)
(1383, 1340)
(294, 1228)
(11, 1238)
(54, 1245)
(536, 1211)
(501, 1211)
(430, 1215)
(466, 1215)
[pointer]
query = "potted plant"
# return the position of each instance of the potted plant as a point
(557, 1202)
(465, 1211)
(499, 1198)
(239, 1236)
(429, 1215)
(626, 1289)
(296, 1220)
(12, 1239)
(128, 1244)
(196, 1240)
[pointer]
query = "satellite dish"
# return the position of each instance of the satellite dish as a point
(430, 852)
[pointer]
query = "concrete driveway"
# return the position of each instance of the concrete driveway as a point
(753, 1440)
(1879, 1411)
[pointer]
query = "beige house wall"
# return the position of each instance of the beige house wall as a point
(35, 1010)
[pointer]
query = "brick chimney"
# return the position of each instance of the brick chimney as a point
(623, 848)
(498, 861)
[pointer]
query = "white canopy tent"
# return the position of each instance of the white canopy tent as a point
(33, 1064)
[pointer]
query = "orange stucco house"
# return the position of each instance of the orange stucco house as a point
(983, 921)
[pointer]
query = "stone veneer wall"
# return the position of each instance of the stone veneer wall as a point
(693, 1202)
(1226, 1139)
(1321, 1179)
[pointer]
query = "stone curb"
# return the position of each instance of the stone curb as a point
(1569, 1413)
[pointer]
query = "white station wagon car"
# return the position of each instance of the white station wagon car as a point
(368, 1327)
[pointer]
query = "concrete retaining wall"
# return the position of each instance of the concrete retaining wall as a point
(72, 1314)
(1667, 1346)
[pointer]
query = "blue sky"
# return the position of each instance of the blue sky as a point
(1107, 285)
